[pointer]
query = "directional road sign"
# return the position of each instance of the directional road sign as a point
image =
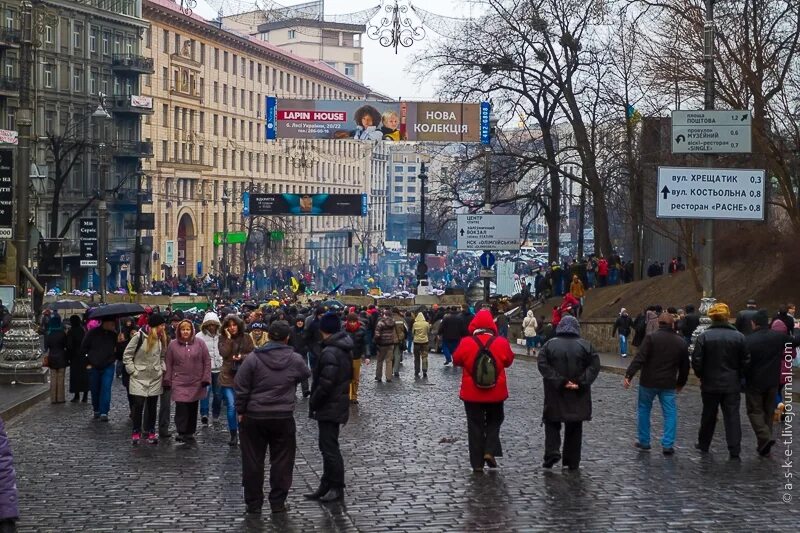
(487, 259)
(711, 132)
(488, 232)
(719, 193)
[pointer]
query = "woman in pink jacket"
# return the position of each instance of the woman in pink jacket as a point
(188, 374)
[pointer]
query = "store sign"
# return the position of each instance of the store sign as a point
(88, 230)
(354, 205)
(372, 120)
(6, 194)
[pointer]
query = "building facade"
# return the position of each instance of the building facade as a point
(404, 191)
(209, 90)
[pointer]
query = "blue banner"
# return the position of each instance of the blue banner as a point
(486, 110)
(363, 205)
(246, 204)
(271, 110)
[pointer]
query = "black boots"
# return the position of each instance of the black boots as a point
(333, 495)
(75, 398)
(85, 397)
(234, 438)
(317, 494)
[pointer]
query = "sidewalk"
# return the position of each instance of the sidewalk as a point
(16, 398)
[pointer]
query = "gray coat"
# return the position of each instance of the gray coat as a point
(266, 382)
(145, 366)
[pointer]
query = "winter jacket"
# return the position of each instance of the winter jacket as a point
(622, 325)
(766, 348)
(313, 336)
(330, 390)
(358, 334)
(602, 267)
(8, 478)
(576, 288)
(639, 329)
(145, 366)
(567, 357)
(743, 321)
(450, 329)
(483, 328)
(529, 325)
(465, 319)
(99, 345)
(241, 344)
(386, 332)
(55, 344)
(663, 359)
(212, 342)
(720, 359)
(266, 382)
(78, 375)
(690, 323)
(261, 341)
(400, 329)
(188, 369)
(298, 341)
(652, 323)
(421, 330)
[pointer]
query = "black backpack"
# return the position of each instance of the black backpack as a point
(484, 369)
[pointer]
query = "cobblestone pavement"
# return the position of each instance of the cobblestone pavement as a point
(407, 470)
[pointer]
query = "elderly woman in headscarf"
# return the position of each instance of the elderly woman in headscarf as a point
(569, 365)
(55, 342)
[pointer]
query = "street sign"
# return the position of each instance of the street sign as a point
(488, 232)
(6, 194)
(234, 237)
(711, 132)
(487, 259)
(88, 232)
(487, 273)
(725, 193)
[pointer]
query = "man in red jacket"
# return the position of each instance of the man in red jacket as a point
(484, 405)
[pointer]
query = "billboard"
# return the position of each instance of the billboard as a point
(370, 120)
(308, 204)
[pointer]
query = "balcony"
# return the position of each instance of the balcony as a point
(9, 38)
(137, 149)
(130, 103)
(124, 200)
(9, 86)
(185, 163)
(132, 63)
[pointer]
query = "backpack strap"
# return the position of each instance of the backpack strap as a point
(480, 343)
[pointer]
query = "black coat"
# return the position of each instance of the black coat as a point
(766, 348)
(298, 341)
(55, 344)
(639, 329)
(663, 359)
(622, 325)
(330, 390)
(450, 329)
(568, 358)
(720, 359)
(690, 323)
(78, 375)
(100, 346)
(743, 319)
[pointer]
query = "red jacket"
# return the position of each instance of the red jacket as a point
(467, 351)
(602, 267)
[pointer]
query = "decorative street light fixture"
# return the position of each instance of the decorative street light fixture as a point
(395, 28)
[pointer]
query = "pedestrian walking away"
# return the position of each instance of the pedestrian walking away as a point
(483, 357)
(663, 360)
(99, 345)
(421, 332)
(265, 402)
(55, 344)
(386, 339)
(569, 365)
(529, 327)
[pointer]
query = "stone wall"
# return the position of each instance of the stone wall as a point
(598, 332)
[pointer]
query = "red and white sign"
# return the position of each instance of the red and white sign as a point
(145, 102)
(314, 116)
(9, 137)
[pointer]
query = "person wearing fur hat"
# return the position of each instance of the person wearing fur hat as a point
(569, 365)
(55, 343)
(209, 333)
(329, 404)
(720, 360)
(144, 360)
(234, 345)
(188, 373)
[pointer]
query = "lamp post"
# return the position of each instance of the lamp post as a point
(487, 189)
(422, 267)
(225, 200)
(102, 207)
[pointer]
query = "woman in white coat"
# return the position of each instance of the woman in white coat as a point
(144, 361)
(529, 326)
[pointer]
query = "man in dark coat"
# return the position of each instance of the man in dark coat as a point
(689, 323)
(744, 319)
(762, 378)
(569, 365)
(265, 400)
(330, 404)
(622, 326)
(720, 359)
(664, 361)
(100, 345)
(450, 330)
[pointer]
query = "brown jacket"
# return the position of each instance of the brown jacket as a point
(241, 344)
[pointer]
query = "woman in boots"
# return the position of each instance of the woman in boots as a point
(234, 345)
(188, 373)
(144, 363)
(78, 375)
(55, 344)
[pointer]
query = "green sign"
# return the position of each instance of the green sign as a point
(234, 237)
(276, 235)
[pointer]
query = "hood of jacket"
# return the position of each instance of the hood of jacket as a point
(340, 340)
(651, 315)
(275, 355)
(420, 318)
(569, 325)
(238, 321)
(178, 331)
(483, 320)
(530, 314)
(209, 319)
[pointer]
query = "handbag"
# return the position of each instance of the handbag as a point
(46, 361)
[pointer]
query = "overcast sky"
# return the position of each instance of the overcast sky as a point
(384, 71)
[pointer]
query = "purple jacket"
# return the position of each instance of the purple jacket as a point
(8, 478)
(188, 369)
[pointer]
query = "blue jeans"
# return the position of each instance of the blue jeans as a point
(623, 344)
(216, 403)
(409, 344)
(448, 347)
(230, 406)
(668, 408)
(100, 381)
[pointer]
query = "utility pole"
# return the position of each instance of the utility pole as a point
(225, 263)
(422, 266)
(102, 215)
(708, 159)
(137, 259)
(24, 122)
(487, 191)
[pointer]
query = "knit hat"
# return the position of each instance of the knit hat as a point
(155, 320)
(719, 312)
(779, 326)
(623, 311)
(257, 325)
(569, 325)
(666, 319)
(330, 323)
(278, 330)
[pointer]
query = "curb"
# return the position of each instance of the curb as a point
(24, 405)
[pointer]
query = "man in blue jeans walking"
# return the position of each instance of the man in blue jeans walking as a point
(99, 345)
(663, 359)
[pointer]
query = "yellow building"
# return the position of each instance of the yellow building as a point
(208, 91)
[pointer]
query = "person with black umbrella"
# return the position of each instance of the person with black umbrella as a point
(100, 346)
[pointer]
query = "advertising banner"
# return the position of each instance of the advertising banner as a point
(354, 205)
(88, 231)
(369, 120)
(6, 194)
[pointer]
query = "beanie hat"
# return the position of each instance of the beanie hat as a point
(666, 319)
(330, 323)
(278, 331)
(719, 312)
(569, 325)
(155, 320)
(779, 326)
(257, 325)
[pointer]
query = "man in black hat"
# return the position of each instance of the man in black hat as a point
(265, 401)
(330, 404)
(744, 319)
